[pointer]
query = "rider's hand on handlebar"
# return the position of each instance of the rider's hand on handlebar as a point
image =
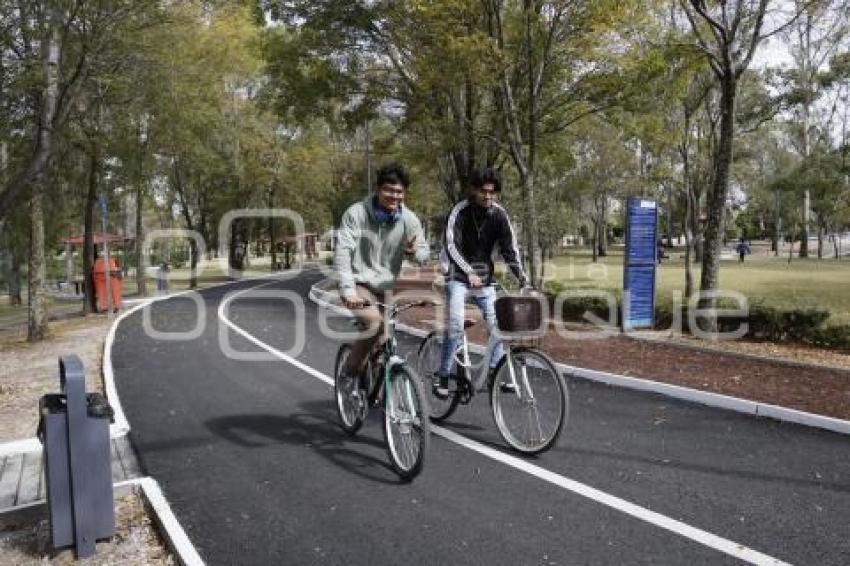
(410, 246)
(353, 301)
(474, 281)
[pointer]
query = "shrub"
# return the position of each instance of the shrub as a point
(768, 323)
(836, 336)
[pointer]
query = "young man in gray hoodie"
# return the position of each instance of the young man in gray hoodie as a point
(374, 237)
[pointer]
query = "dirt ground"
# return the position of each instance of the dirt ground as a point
(28, 371)
(135, 543)
(822, 389)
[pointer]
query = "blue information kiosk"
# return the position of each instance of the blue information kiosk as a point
(640, 260)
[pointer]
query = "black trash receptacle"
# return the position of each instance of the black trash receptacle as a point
(74, 430)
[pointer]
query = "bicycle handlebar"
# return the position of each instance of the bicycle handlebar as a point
(395, 308)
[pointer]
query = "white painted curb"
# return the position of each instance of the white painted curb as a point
(746, 406)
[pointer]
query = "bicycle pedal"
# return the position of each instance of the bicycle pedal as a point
(442, 396)
(466, 395)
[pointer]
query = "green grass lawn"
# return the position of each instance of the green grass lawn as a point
(802, 283)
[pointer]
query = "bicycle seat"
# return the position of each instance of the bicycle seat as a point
(468, 323)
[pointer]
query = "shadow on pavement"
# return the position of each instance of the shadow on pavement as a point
(312, 429)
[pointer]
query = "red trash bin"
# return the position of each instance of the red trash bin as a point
(99, 276)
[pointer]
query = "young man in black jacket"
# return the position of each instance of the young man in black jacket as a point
(475, 227)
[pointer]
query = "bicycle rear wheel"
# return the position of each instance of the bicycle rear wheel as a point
(430, 352)
(407, 431)
(351, 399)
(531, 417)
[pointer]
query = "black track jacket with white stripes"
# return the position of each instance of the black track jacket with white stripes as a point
(472, 234)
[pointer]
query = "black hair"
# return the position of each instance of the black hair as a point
(394, 174)
(485, 176)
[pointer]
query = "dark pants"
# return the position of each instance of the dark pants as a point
(371, 320)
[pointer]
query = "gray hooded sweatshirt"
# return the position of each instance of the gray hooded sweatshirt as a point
(370, 253)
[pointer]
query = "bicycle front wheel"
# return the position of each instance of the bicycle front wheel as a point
(351, 402)
(430, 352)
(407, 431)
(530, 410)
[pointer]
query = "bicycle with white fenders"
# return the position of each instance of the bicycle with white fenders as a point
(528, 396)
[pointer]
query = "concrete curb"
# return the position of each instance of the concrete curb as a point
(173, 535)
(717, 400)
(23, 446)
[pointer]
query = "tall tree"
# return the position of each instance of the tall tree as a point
(815, 37)
(728, 36)
(553, 68)
(37, 313)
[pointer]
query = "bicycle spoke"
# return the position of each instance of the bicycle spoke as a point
(428, 364)
(530, 417)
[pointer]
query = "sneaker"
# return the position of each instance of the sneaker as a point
(441, 385)
(507, 387)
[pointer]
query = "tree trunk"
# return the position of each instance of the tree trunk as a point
(791, 249)
(89, 305)
(15, 286)
(601, 244)
(531, 231)
(141, 260)
(69, 264)
(543, 251)
(820, 242)
(193, 264)
(690, 220)
(37, 308)
(669, 215)
(689, 273)
(699, 245)
(719, 189)
(603, 227)
(777, 226)
(272, 231)
(272, 245)
(804, 236)
(593, 241)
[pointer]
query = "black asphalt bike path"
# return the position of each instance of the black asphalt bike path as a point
(257, 470)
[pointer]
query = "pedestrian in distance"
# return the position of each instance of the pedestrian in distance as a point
(743, 249)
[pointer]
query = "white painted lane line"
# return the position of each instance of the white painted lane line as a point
(695, 534)
(222, 317)
(121, 425)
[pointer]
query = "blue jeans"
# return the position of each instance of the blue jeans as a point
(485, 298)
